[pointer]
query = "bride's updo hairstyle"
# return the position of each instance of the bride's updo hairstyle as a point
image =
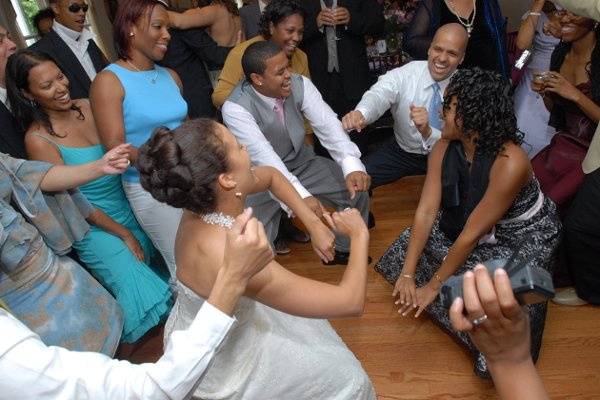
(180, 167)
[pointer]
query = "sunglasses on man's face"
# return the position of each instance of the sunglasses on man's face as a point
(76, 7)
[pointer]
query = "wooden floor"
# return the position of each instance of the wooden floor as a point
(409, 358)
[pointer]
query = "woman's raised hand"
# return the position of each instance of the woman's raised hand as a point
(556, 83)
(348, 222)
(495, 321)
(116, 160)
(322, 241)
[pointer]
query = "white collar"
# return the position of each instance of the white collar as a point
(3, 97)
(78, 37)
(430, 81)
(261, 5)
(272, 101)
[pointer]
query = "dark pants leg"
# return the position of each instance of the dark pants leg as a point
(582, 239)
(335, 96)
(390, 163)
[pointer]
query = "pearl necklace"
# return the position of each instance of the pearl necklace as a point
(218, 219)
(153, 79)
(466, 22)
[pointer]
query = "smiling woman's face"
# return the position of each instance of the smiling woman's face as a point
(151, 37)
(49, 87)
(573, 27)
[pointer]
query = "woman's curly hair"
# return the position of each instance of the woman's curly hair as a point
(180, 167)
(484, 106)
(276, 11)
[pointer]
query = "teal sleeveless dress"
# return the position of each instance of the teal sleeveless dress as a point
(141, 288)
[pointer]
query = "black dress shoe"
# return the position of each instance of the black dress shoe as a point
(281, 247)
(371, 221)
(341, 258)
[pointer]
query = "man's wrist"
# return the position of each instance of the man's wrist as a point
(426, 134)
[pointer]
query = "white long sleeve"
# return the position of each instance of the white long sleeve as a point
(397, 90)
(31, 370)
(323, 121)
(329, 129)
(244, 127)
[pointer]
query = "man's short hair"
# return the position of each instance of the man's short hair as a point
(254, 60)
(41, 15)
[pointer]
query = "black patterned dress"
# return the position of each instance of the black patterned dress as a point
(539, 234)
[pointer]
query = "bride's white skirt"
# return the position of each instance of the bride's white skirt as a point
(272, 355)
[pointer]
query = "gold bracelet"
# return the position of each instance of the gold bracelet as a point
(438, 278)
(409, 276)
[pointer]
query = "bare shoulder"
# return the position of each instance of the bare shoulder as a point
(198, 254)
(511, 164)
(106, 83)
(438, 151)
(33, 133)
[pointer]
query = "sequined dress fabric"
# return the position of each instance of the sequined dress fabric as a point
(272, 355)
(539, 234)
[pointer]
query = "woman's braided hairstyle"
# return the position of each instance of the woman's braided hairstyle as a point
(180, 167)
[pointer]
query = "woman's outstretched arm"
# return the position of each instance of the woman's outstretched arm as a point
(322, 239)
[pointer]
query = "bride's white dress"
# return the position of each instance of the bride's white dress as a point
(272, 355)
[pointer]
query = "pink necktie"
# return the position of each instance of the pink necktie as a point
(279, 110)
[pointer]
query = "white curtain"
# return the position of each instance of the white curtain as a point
(98, 17)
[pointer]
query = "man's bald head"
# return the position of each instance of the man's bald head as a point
(447, 50)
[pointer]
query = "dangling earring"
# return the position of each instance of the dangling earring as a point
(238, 195)
(33, 103)
(131, 34)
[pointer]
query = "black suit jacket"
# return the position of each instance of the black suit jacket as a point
(366, 18)
(250, 16)
(11, 136)
(79, 81)
(187, 52)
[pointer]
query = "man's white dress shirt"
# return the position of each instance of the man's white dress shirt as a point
(78, 42)
(261, 6)
(325, 125)
(31, 370)
(397, 90)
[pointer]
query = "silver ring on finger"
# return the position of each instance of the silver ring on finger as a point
(479, 320)
(347, 209)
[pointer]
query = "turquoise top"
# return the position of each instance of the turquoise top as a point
(152, 99)
(105, 192)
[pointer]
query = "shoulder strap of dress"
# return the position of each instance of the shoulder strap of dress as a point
(47, 139)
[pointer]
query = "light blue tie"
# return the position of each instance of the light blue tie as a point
(434, 108)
